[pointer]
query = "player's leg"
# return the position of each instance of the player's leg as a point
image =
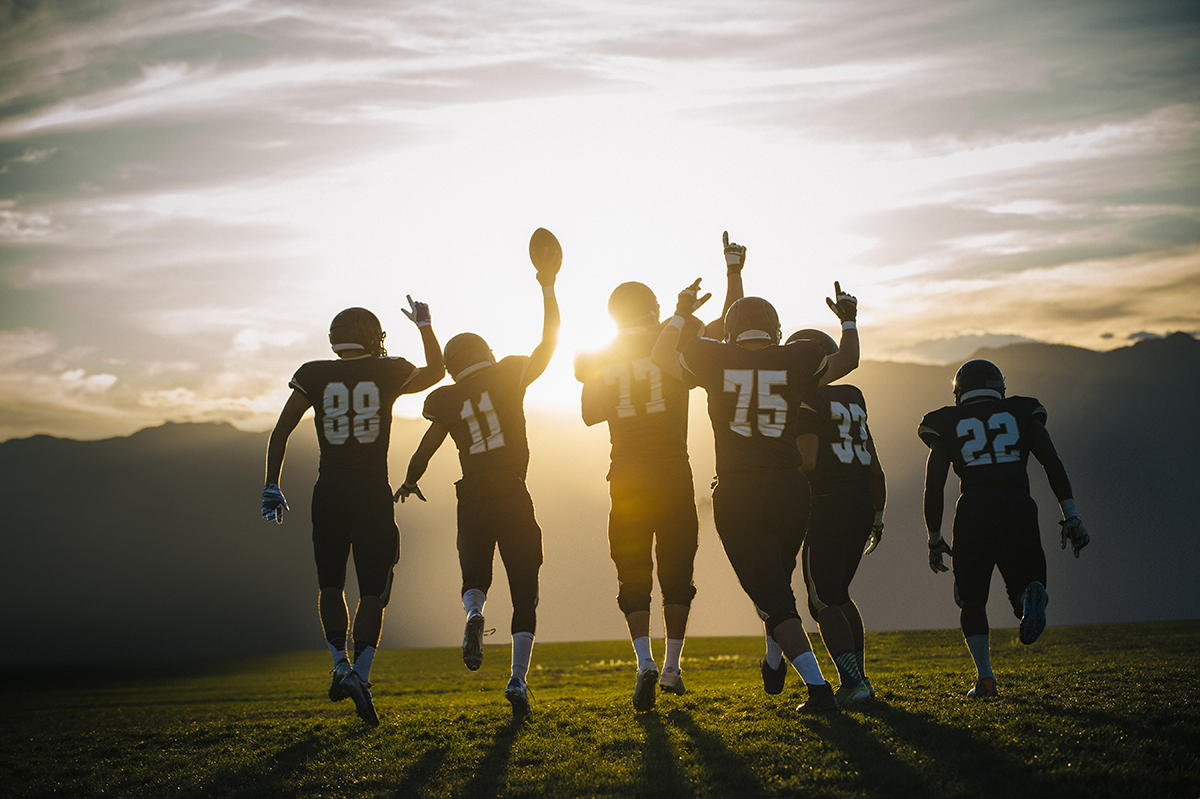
(476, 550)
(519, 539)
(973, 561)
(331, 551)
(753, 512)
(675, 546)
(1022, 563)
(630, 539)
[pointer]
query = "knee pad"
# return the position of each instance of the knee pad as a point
(679, 594)
(778, 619)
(632, 598)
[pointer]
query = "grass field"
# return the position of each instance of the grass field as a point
(1086, 712)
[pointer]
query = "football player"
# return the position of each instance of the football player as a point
(650, 480)
(352, 510)
(846, 521)
(755, 390)
(988, 437)
(484, 413)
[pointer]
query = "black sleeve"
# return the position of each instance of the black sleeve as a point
(936, 469)
(1042, 448)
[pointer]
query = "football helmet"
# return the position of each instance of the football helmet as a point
(752, 318)
(357, 329)
(978, 379)
(631, 303)
(818, 337)
(464, 351)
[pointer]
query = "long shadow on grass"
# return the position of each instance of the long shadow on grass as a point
(660, 770)
(956, 758)
(493, 768)
(725, 771)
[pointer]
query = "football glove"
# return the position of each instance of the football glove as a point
(936, 550)
(688, 303)
(1072, 529)
(405, 491)
(273, 504)
(874, 539)
(735, 255)
(419, 315)
(845, 306)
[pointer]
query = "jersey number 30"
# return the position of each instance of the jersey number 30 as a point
(351, 412)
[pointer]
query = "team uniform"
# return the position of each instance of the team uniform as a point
(650, 480)
(352, 506)
(843, 508)
(995, 521)
(485, 415)
(755, 400)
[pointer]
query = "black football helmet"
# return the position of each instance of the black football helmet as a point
(978, 379)
(818, 337)
(464, 351)
(752, 318)
(632, 302)
(357, 329)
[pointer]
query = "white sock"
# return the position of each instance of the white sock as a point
(674, 651)
(473, 601)
(981, 653)
(339, 653)
(809, 670)
(641, 647)
(362, 663)
(522, 653)
(774, 653)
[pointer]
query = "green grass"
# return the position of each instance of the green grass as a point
(1086, 712)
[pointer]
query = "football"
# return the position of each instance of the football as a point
(545, 252)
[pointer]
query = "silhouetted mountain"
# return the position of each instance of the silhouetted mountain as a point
(152, 545)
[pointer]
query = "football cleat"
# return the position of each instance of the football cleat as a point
(1033, 619)
(820, 699)
(360, 691)
(984, 687)
(340, 670)
(671, 682)
(517, 694)
(853, 694)
(472, 647)
(643, 690)
(774, 679)
(870, 687)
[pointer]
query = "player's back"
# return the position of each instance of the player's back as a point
(842, 455)
(987, 440)
(646, 410)
(485, 415)
(352, 399)
(755, 397)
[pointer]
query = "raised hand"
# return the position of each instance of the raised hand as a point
(845, 306)
(735, 255)
(688, 303)
(419, 315)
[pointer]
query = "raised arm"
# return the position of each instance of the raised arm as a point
(936, 469)
(665, 354)
(434, 369)
(845, 360)
(419, 461)
(551, 321)
(735, 259)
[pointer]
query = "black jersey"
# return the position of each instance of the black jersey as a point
(353, 400)
(647, 411)
(755, 399)
(485, 414)
(842, 454)
(988, 441)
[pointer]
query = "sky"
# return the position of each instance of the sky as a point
(191, 189)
